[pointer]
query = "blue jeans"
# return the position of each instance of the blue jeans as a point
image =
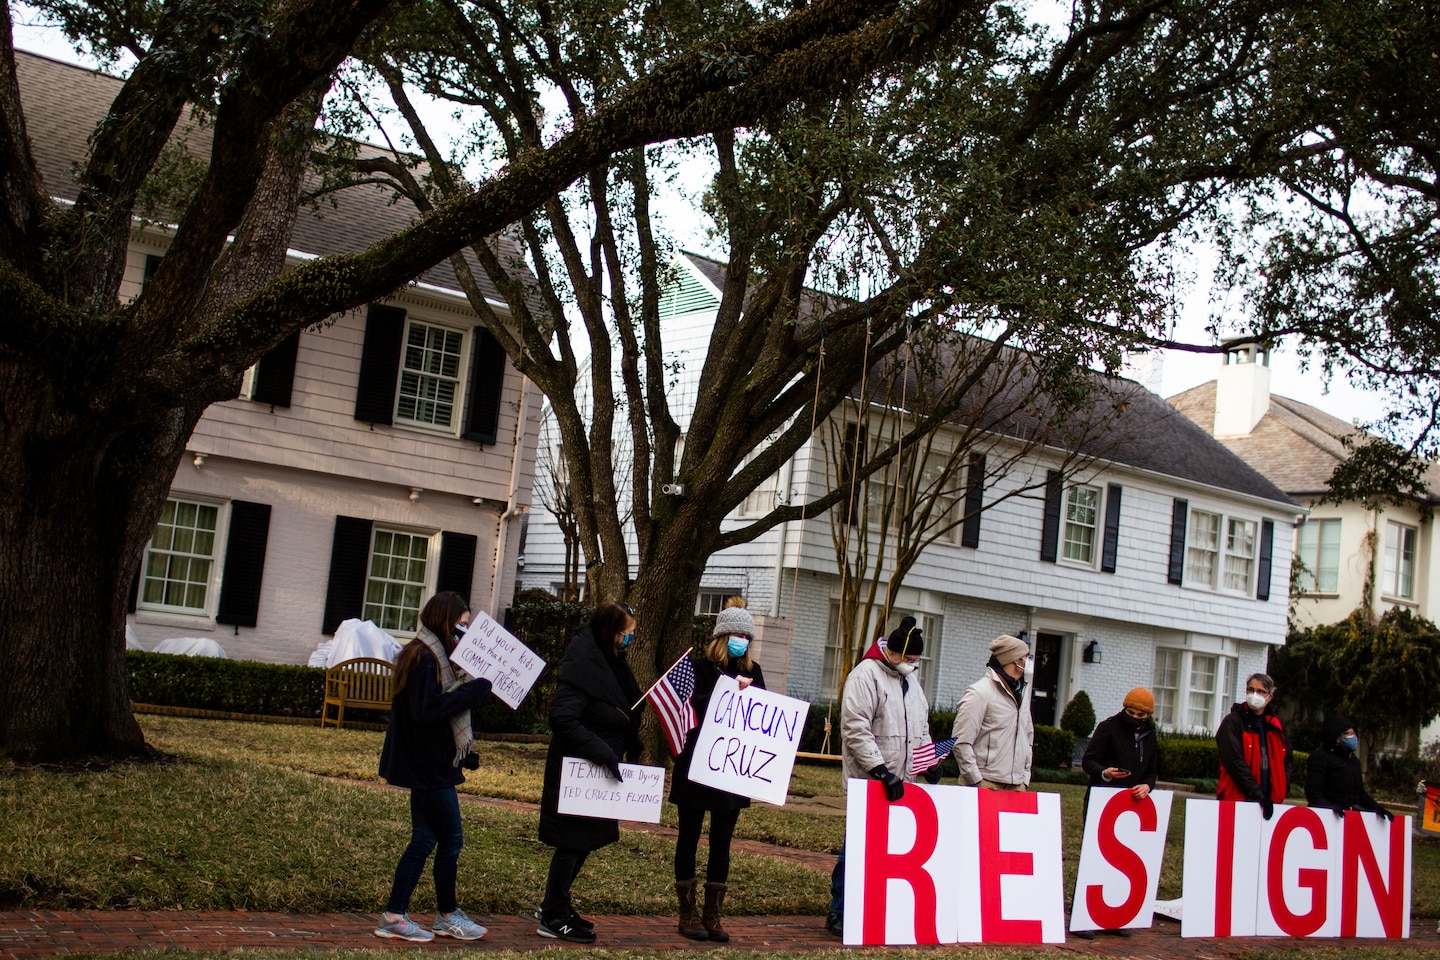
(434, 821)
(837, 885)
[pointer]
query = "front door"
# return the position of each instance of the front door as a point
(1047, 679)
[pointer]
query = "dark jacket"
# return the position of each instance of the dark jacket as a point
(590, 718)
(419, 750)
(1118, 743)
(1238, 743)
(1333, 777)
(682, 792)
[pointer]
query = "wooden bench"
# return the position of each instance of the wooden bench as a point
(364, 682)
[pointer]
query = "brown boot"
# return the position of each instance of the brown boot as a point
(690, 925)
(714, 900)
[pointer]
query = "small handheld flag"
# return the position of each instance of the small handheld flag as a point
(930, 754)
(670, 696)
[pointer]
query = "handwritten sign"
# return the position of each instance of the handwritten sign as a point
(489, 650)
(748, 740)
(588, 790)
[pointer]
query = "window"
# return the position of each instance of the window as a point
(1239, 554)
(763, 498)
(711, 602)
(1192, 689)
(1082, 512)
(1317, 546)
(1221, 552)
(398, 580)
(1399, 579)
(1202, 548)
(180, 560)
(430, 375)
(1166, 686)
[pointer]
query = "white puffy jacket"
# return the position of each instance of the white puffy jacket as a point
(881, 720)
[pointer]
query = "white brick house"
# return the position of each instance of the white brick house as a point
(366, 464)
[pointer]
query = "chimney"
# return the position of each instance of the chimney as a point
(1242, 388)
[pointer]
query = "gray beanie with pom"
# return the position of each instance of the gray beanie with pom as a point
(734, 620)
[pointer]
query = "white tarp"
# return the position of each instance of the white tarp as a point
(355, 639)
(192, 647)
(132, 642)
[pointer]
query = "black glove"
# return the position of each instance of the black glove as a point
(613, 765)
(1385, 813)
(934, 774)
(894, 786)
(1267, 807)
(1339, 812)
(471, 761)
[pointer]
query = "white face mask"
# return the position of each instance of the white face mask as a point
(1256, 701)
(904, 669)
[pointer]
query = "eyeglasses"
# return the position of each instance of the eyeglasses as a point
(1260, 690)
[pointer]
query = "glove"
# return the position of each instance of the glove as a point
(1385, 813)
(933, 774)
(471, 761)
(613, 765)
(1267, 807)
(1339, 812)
(894, 786)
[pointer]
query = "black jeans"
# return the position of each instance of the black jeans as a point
(434, 821)
(564, 868)
(722, 829)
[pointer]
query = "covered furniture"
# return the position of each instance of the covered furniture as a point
(363, 682)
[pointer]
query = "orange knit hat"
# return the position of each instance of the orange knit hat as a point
(1140, 699)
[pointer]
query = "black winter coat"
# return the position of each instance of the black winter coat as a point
(683, 793)
(419, 750)
(1333, 778)
(1116, 743)
(590, 718)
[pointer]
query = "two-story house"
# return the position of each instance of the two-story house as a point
(1164, 563)
(366, 463)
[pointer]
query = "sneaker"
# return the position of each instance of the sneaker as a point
(575, 918)
(566, 929)
(459, 926)
(403, 929)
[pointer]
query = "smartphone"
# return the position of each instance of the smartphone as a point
(1122, 774)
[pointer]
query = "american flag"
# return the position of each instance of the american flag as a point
(671, 699)
(932, 753)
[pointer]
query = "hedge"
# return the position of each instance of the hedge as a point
(1053, 747)
(236, 686)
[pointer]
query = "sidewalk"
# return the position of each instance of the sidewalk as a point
(46, 933)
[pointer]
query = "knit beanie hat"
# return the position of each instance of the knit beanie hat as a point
(1140, 699)
(734, 620)
(906, 639)
(1007, 649)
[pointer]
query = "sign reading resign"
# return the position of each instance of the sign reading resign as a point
(748, 740)
(587, 790)
(489, 650)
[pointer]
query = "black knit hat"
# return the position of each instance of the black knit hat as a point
(906, 639)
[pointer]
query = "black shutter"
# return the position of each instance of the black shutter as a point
(1179, 516)
(1262, 569)
(487, 378)
(457, 563)
(275, 373)
(852, 456)
(244, 563)
(152, 263)
(349, 563)
(380, 364)
(133, 603)
(1112, 528)
(974, 501)
(1050, 529)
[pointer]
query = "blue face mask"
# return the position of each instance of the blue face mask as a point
(1353, 743)
(626, 640)
(737, 646)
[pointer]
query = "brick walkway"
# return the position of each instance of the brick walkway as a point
(45, 933)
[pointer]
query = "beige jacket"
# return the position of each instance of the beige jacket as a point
(993, 733)
(880, 724)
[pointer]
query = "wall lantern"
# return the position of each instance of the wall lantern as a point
(1092, 652)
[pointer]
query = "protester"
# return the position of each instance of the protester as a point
(728, 654)
(884, 718)
(993, 731)
(1333, 777)
(592, 716)
(427, 740)
(1254, 749)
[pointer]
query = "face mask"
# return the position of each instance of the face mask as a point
(460, 629)
(1350, 743)
(626, 640)
(1256, 701)
(904, 669)
(737, 646)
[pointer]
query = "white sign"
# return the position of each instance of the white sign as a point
(748, 740)
(913, 867)
(1120, 859)
(489, 650)
(588, 790)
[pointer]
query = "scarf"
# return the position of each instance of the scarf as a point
(460, 722)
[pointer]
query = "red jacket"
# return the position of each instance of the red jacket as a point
(1239, 746)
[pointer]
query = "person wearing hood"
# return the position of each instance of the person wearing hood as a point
(1333, 777)
(884, 718)
(592, 716)
(993, 731)
(1254, 749)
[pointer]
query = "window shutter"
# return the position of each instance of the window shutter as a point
(1050, 529)
(487, 379)
(244, 563)
(349, 563)
(974, 501)
(1179, 514)
(1112, 528)
(457, 563)
(380, 364)
(1262, 569)
(852, 454)
(275, 373)
(133, 603)
(152, 263)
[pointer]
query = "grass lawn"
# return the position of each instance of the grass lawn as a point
(731, 952)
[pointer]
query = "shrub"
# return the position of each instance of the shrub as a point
(236, 686)
(1187, 757)
(1079, 715)
(1053, 746)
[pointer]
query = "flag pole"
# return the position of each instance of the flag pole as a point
(658, 679)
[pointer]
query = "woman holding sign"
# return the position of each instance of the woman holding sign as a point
(590, 718)
(727, 654)
(427, 741)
